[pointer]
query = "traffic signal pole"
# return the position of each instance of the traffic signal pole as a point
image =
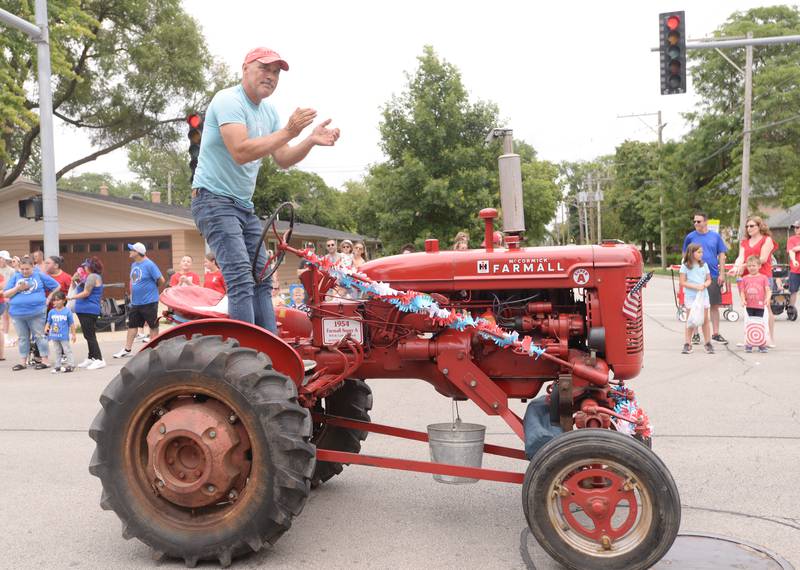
(744, 204)
(40, 35)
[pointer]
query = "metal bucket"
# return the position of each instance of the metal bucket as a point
(456, 443)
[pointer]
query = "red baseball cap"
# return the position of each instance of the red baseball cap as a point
(265, 55)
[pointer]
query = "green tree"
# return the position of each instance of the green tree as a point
(122, 69)
(91, 181)
(315, 202)
(439, 171)
(713, 151)
(159, 164)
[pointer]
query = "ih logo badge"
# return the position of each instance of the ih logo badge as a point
(483, 266)
(581, 277)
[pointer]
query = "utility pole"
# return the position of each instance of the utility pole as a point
(748, 122)
(662, 229)
(40, 35)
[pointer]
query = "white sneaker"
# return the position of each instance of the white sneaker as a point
(55, 370)
(96, 365)
(85, 363)
(144, 339)
(123, 353)
(140, 336)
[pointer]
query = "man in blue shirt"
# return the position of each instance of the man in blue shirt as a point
(714, 249)
(145, 281)
(240, 129)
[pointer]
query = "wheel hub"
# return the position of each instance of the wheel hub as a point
(196, 455)
(598, 493)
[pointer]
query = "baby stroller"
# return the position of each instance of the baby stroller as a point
(780, 293)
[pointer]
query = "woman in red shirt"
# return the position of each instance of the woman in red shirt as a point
(759, 243)
(213, 278)
(52, 266)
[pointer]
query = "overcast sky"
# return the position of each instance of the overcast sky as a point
(560, 72)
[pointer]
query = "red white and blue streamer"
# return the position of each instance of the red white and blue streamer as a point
(625, 404)
(423, 304)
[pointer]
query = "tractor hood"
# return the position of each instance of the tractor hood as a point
(531, 267)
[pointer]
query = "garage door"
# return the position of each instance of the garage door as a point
(113, 253)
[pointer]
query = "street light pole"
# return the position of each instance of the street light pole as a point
(40, 35)
(49, 196)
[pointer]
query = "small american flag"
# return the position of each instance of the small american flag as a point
(633, 300)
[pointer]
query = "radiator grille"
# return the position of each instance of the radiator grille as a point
(634, 339)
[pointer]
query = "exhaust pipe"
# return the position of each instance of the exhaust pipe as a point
(509, 164)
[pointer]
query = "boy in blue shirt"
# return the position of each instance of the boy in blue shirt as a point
(146, 278)
(60, 330)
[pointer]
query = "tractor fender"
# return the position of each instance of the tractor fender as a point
(284, 358)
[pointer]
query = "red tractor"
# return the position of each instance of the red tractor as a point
(211, 438)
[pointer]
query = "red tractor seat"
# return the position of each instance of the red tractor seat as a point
(190, 302)
(193, 302)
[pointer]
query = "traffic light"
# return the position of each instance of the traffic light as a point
(31, 208)
(195, 123)
(672, 45)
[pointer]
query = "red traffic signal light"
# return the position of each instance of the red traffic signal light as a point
(672, 47)
(673, 22)
(194, 121)
(195, 135)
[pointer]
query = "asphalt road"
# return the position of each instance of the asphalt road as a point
(727, 426)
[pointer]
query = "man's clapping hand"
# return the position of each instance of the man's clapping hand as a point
(323, 136)
(299, 120)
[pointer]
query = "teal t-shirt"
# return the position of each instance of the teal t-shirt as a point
(217, 171)
(697, 275)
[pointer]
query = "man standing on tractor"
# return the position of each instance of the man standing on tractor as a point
(146, 278)
(240, 129)
(714, 249)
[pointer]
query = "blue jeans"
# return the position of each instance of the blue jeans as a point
(233, 233)
(27, 326)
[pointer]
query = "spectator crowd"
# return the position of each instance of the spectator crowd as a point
(43, 303)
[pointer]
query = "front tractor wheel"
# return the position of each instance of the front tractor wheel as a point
(202, 449)
(598, 499)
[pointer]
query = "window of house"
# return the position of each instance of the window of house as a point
(148, 245)
(63, 248)
(95, 247)
(78, 248)
(112, 246)
(164, 244)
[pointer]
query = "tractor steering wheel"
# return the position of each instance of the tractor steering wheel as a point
(273, 261)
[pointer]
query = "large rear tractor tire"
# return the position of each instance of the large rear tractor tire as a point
(202, 449)
(352, 401)
(598, 499)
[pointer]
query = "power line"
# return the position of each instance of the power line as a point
(738, 137)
